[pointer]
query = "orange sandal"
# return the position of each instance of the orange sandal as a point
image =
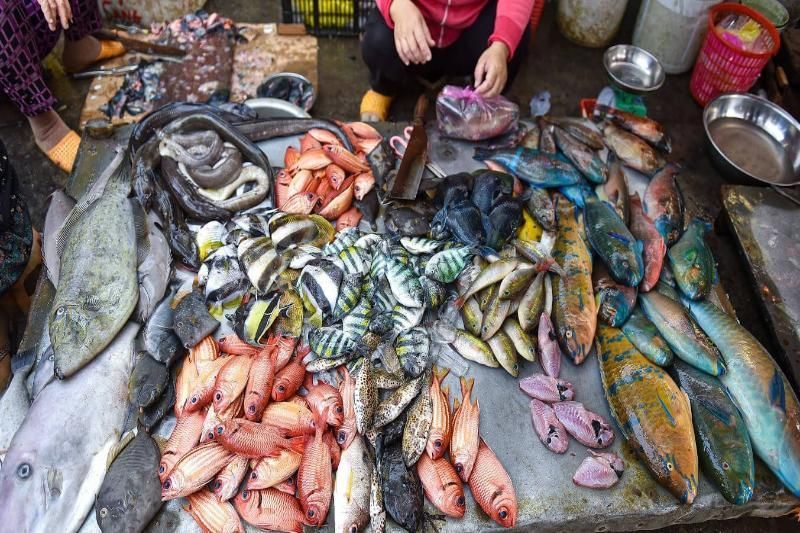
(375, 106)
(109, 49)
(64, 152)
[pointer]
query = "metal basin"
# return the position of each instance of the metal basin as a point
(275, 108)
(633, 69)
(752, 140)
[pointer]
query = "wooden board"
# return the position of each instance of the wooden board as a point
(265, 53)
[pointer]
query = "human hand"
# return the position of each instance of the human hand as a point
(491, 72)
(56, 11)
(411, 35)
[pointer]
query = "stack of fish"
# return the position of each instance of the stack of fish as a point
(629, 263)
(324, 177)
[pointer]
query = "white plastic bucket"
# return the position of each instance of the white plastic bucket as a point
(673, 30)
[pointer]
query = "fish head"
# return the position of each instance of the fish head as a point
(173, 485)
(437, 443)
(504, 508)
(571, 344)
(111, 512)
(70, 329)
(316, 508)
(463, 462)
(453, 502)
(246, 503)
(23, 484)
(680, 479)
(168, 461)
(335, 410)
(346, 433)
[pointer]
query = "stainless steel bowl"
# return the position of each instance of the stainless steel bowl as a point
(298, 78)
(752, 140)
(633, 69)
(275, 108)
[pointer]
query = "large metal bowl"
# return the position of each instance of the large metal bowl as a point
(275, 108)
(633, 69)
(752, 140)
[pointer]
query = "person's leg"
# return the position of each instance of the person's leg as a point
(387, 73)
(80, 48)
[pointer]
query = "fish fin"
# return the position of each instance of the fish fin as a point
(777, 391)
(487, 252)
(456, 403)
(124, 440)
(440, 372)
(308, 381)
(446, 391)
(297, 444)
(140, 229)
(466, 386)
(482, 154)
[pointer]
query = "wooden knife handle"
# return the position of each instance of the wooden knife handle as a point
(421, 108)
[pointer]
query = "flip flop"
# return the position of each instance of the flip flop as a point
(375, 106)
(64, 152)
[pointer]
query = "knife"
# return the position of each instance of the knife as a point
(138, 45)
(406, 183)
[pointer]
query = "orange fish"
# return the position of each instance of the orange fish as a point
(284, 346)
(259, 384)
(333, 193)
(289, 486)
(270, 471)
(300, 182)
(442, 485)
(254, 440)
(364, 183)
(349, 133)
(212, 420)
(308, 142)
(347, 431)
(205, 350)
(312, 160)
(347, 160)
(363, 130)
(233, 345)
(335, 175)
(231, 381)
(185, 436)
(195, 469)
(338, 205)
(441, 425)
(333, 448)
(270, 509)
(367, 145)
(282, 181)
(292, 418)
(464, 438)
(212, 514)
(185, 383)
(302, 203)
(348, 219)
(227, 482)
(492, 488)
(314, 477)
(324, 188)
(325, 398)
(290, 377)
(290, 157)
(203, 393)
(324, 136)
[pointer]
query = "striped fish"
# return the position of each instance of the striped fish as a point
(261, 261)
(210, 237)
(400, 254)
(420, 245)
(254, 224)
(344, 239)
(293, 230)
(252, 321)
(225, 283)
(405, 285)
(319, 282)
(434, 292)
(357, 321)
(383, 297)
(406, 318)
(330, 343)
(368, 241)
(355, 260)
(349, 296)
(446, 265)
(377, 269)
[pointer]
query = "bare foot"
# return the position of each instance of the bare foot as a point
(48, 129)
(80, 54)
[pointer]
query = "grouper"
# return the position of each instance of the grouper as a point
(97, 287)
(57, 460)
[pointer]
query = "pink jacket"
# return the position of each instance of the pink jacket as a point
(447, 18)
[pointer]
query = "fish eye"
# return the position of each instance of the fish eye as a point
(568, 334)
(353, 529)
(218, 396)
(161, 468)
(217, 484)
(600, 442)
(460, 501)
(194, 399)
(725, 465)
(548, 440)
(167, 484)
(625, 263)
(251, 409)
(61, 310)
(211, 435)
(253, 475)
(437, 443)
(281, 388)
(246, 493)
(311, 513)
(670, 467)
(338, 408)
(341, 437)
(24, 471)
(220, 430)
(503, 513)
(459, 468)
(103, 512)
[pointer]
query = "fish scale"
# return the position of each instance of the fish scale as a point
(343, 239)
(390, 408)
(330, 343)
(349, 296)
(354, 260)
(418, 424)
(420, 245)
(405, 286)
(365, 397)
(447, 265)
(404, 318)
(357, 321)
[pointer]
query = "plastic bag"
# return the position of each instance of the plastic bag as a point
(464, 114)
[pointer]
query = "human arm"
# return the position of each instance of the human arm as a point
(55, 12)
(491, 71)
(411, 35)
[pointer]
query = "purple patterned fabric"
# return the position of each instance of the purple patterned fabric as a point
(25, 40)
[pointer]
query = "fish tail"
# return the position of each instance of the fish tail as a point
(482, 154)
(466, 386)
(297, 444)
(459, 302)
(440, 372)
(446, 392)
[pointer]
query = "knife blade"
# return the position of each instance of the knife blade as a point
(138, 45)
(406, 183)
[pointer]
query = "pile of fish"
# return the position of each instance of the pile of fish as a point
(681, 377)
(324, 177)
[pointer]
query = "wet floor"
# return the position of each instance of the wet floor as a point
(567, 71)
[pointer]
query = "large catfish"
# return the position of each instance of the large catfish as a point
(57, 460)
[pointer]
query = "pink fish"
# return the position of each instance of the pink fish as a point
(643, 228)
(588, 428)
(549, 351)
(551, 432)
(547, 389)
(300, 204)
(364, 183)
(599, 471)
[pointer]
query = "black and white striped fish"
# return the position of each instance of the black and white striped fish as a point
(261, 261)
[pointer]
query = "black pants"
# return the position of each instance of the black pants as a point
(388, 74)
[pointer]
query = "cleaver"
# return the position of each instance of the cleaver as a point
(406, 183)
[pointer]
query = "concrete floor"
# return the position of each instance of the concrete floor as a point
(569, 72)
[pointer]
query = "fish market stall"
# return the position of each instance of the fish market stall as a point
(531, 314)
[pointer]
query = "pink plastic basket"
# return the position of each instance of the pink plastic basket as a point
(722, 67)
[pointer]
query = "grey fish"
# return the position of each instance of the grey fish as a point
(153, 269)
(418, 424)
(130, 495)
(405, 285)
(394, 404)
(14, 404)
(351, 492)
(150, 416)
(60, 206)
(148, 380)
(402, 490)
(97, 288)
(47, 486)
(542, 208)
(192, 321)
(158, 337)
(349, 296)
